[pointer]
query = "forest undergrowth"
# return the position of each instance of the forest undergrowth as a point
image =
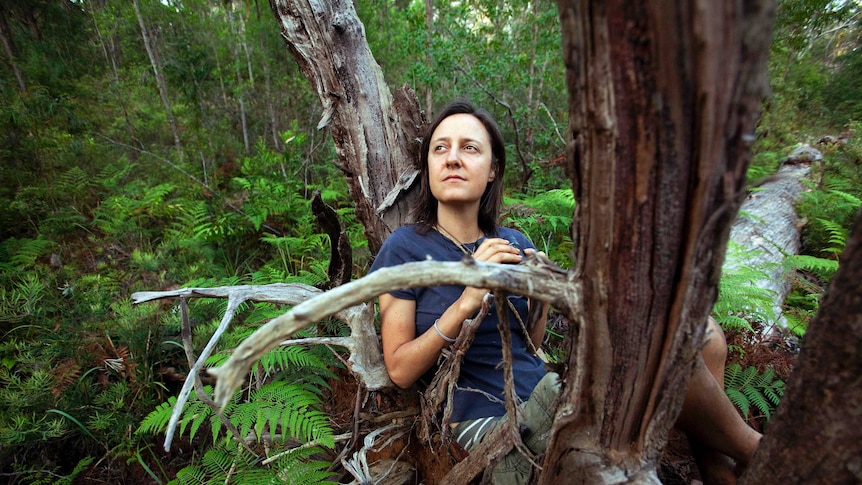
(99, 200)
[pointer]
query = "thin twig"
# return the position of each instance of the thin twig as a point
(200, 392)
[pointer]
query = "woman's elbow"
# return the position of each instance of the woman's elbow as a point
(399, 379)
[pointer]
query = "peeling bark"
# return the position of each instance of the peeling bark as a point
(663, 100)
(376, 134)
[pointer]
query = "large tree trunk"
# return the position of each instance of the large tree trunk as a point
(663, 100)
(815, 435)
(376, 137)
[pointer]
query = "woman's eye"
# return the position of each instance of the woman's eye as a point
(470, 148)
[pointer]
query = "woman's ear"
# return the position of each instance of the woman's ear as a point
(493, 174)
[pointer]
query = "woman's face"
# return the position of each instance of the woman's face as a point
(460, 162)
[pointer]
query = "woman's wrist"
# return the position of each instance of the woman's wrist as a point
(441, 334)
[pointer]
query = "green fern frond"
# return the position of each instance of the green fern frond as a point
(190, 475)
(822, 267)
(738, 399)
(157, 420)
(774, 392)
(298, 468)
(195, 414)
(217, 462)
(111, 174)
(837, 236)
(756, 398)
(25, 252)
(852, 200)
(748, 387)
(293, 407)
(72, 182)
(291, 356)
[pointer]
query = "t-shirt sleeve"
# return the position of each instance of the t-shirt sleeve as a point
(523, 241)
(393, 253)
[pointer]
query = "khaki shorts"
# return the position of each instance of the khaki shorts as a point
(535, 417)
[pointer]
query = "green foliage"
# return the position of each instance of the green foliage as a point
(752, 391)
(96, 202)
(740, 301)
(546, 219)
(225, 464)
(831, 213)
(275, 413)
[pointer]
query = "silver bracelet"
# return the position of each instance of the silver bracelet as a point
(441, 334)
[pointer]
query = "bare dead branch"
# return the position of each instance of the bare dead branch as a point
(534, 282)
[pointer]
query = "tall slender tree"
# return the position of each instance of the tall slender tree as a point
(155, 62)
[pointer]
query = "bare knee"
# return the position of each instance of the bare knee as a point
(714, 350)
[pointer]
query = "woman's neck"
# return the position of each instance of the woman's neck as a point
(462, 224)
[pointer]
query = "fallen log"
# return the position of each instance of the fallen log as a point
(767, 231)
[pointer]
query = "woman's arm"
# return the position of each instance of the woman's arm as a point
(408, 357)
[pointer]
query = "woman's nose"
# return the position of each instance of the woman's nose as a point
(452, 158)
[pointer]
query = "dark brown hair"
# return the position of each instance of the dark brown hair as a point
(425, 210)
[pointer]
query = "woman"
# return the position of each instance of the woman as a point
(462, 165)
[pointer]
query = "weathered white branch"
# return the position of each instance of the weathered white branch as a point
(536, 282)
(365, 358)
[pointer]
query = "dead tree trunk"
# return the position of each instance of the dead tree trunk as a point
(822, 407)
(376, 136)
(663, 100)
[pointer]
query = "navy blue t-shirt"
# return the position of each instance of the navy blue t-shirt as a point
(481, 368)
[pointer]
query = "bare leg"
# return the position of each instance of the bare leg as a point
(714, 427)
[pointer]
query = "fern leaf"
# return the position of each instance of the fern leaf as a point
(296, 468)
(190, 475)
(756, 398)
(157, 420)
(739, 399)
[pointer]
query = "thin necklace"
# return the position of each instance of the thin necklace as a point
(463, 247)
